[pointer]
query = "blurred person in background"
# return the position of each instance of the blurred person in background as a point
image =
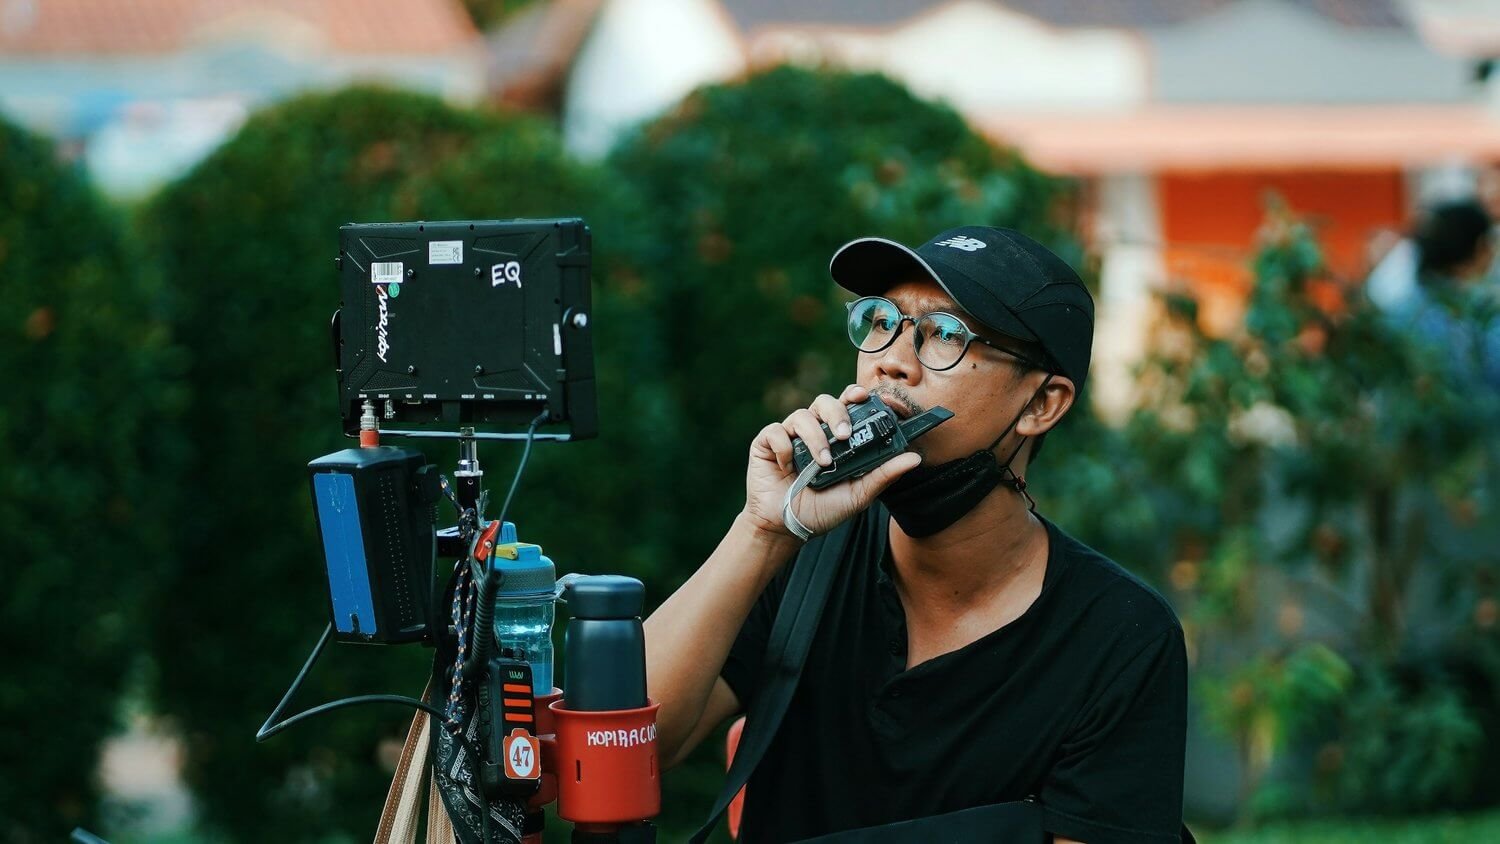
(1448, 240)
(1439, 287)
(1455, 245)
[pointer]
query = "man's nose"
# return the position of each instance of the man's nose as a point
(898, 361)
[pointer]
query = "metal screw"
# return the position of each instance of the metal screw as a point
(411, 273)
(478, 272)
(478, 370)
(411, 370)
(580, 320)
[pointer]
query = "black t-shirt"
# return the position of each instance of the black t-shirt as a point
(1080, 703)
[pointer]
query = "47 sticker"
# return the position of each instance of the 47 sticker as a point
(522, 755)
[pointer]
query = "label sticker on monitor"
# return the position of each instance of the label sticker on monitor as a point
(510, 271)
(386, 273)
(445, 252)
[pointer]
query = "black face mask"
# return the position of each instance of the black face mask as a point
(929, 499)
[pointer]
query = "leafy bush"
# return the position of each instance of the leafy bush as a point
(247, 242)
(1317, 470)
(1407, 750)
(88, 363)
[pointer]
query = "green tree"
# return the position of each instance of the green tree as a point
(247, 242)
(88, 362)
(1317, 456)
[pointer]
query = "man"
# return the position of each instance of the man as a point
(1451, 242)
(970, 652)
(1445, 303)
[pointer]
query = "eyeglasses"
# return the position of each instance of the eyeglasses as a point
(941, 339)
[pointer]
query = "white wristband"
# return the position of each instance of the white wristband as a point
(788, 511)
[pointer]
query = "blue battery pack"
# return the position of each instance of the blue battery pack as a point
(374, 509)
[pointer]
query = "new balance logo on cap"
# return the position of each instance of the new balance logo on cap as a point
(967, 244)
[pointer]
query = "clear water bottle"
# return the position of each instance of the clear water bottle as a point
(524, 607)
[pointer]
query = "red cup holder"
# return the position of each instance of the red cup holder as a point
(607, 769)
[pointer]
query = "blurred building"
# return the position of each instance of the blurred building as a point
(1179, 117)
(531, 54)
(141, 89)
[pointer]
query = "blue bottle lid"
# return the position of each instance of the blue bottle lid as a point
(524, 571)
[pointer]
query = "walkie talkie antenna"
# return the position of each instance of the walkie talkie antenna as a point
(922, 423)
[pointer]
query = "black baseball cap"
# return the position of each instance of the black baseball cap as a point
(1006, 280)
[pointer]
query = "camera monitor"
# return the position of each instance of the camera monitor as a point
(466, 323)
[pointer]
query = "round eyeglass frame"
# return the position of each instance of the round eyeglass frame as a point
(969, 336)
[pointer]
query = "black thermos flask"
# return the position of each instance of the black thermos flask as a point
(605, 647)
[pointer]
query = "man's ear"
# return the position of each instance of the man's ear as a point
(1048, 407)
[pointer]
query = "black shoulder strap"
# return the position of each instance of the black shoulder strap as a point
(1019, 821)
(791, 638)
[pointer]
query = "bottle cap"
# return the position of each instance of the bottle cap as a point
(605, 596)
(524, 572)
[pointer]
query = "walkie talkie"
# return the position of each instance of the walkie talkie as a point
(514, 768)
(876, 435)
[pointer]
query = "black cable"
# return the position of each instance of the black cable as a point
(521, 467)
(484, 610)
(266, 729)
(344, 703)
(269, 729)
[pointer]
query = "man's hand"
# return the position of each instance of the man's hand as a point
(772, 471)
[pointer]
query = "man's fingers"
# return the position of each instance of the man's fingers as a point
(834, 413)
(886, 474)
(760, 447)
(780, 445)
(773, 443)
(854, 394)
(804, 425)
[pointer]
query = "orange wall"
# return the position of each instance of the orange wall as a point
(1209, 222)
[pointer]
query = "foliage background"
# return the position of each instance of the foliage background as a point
(1316, 491)
(1313, 491)
(90, 384)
